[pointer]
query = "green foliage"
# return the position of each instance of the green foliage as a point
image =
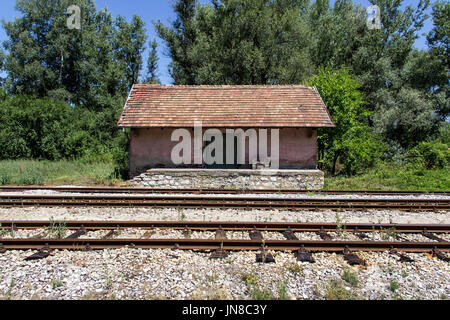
(238, 42)
(66, 88)
(33, 128)
(152, 64)
(430, 155)
(350, 277)
(81, 67)
(335, 291)
(393, 286)
(392, 176)
(32, 172)
(351, 142)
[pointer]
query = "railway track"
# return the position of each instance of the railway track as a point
(198, 202)
(137, 190)
(224, 203)
(228, 226)
(220, 245)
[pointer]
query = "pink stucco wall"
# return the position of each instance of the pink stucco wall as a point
(151, 148)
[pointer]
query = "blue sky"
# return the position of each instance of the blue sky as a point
(153, 10)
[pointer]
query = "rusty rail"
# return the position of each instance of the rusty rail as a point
(134, 190)
(225, 244)
(231, 226)
(177, 201)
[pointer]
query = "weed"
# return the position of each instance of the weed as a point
(3, 231)
(335, 291)
(181, 215)
(393, 285)
(212, 278)
(282, 291)
(258, 293)
(350, 277)
(294, 268)
(389, 233)
(56, 284)
(57, 230)
(4, 178)
(9, 292)
(249, 278)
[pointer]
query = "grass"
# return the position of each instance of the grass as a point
(57, 230)
(56, 284)
(34, 172)
(350, 277)
(335, 291)
(393, 285)
(294, 267)
(392, 177)
(389, 233)
(384, 176)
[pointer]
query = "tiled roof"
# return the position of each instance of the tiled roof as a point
(224, 106)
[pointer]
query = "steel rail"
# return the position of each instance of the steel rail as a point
(230, 226)
(220, 202)
(225, 244)
(133, 190)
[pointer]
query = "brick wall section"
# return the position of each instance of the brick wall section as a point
(151, 148)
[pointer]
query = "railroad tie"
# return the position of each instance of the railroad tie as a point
(80, 232)
(304, 255)
(113, 233)
(324, 235)
(219, 253)
(403, 258)
(440, 255)
(289, 235)
(220, 233)
(43, 253)
(264, 257)
(255, 234)
(351, 258)
(431, 236)
(360, 235)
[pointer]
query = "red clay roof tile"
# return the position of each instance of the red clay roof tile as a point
(224, 106)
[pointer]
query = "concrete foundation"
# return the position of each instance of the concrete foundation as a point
(230, 179)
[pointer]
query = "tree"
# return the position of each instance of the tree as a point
(152, 64)
(438, 42)
(87, 67)
(180, 39)
(129, 46)
(351, 143)
(238, 42)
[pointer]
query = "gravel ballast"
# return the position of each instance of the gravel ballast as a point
(130, 273)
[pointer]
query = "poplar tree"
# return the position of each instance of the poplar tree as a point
(152, 64)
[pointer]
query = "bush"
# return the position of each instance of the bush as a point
(430, 155)
(43, 129)
(351, 144)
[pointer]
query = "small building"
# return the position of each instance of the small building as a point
(287, 115)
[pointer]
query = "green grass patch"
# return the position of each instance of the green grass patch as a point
(350, 277)
(393, 177)
(34, 172)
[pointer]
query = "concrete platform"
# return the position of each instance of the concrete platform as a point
(230, 179)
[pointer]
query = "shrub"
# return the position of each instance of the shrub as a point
(430, 155)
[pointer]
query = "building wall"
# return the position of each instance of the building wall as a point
(151, 148)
